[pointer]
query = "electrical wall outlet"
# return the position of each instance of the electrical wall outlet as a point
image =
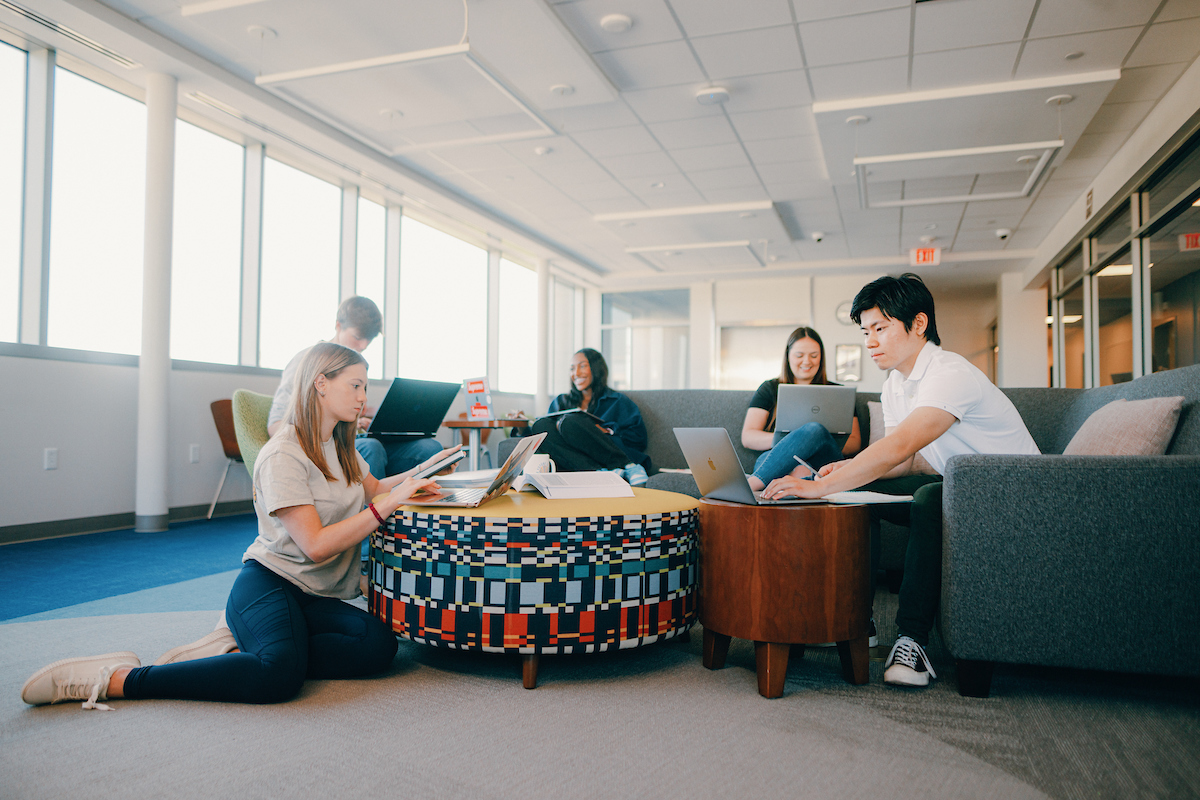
(50, 458)
(194, 454)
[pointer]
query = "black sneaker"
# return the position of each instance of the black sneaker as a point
(907, 664)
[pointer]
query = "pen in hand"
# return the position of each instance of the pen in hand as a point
(808, 467)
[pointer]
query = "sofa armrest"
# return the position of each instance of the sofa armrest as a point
(1076, 561)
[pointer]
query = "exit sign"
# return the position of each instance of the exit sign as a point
(1189, 241)
(925, 256)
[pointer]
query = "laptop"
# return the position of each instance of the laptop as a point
(799, 404)
(473, 498)
(718, 473)
(412, 409)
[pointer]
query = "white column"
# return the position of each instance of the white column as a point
(252, 204)
(701, 332)
(35, 240)
(542, 400)
(154, 366)
(391, 292)
(1021, 333)
(493, 317)
(349, 258)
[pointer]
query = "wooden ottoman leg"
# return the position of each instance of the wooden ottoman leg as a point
(716, 647)
(529, 668)
(855, 656)
(770, 660)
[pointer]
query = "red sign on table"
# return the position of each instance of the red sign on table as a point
(925, 256)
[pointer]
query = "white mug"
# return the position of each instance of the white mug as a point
(539, 462)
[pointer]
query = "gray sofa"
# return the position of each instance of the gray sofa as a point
(1068, 561)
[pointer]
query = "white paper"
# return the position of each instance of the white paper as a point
(866, 497)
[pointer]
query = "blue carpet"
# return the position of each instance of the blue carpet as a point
(37, 577)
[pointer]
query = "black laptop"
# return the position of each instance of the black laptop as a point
(412, 409)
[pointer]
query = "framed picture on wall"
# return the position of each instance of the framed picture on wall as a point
(848, 363)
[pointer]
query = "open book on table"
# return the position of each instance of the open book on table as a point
(569, 485)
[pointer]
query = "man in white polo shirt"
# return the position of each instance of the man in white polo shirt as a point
(934, 402)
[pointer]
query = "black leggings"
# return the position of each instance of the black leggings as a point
(285, 636)
(576, 444)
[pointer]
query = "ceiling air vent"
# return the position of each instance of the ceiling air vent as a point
(62, 30)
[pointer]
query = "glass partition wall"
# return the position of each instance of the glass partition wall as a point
(1127, 298)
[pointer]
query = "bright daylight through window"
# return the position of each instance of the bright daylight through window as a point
(12, 148)
(97, 215)
(206, 246)
(301, 239)
(443, 305)
(369, 270)
(518, 329)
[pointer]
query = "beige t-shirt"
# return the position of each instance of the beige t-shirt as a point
(284, 477)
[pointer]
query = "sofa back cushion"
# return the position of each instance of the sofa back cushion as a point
(667, 409)
(1183, 382)
(1128, 428)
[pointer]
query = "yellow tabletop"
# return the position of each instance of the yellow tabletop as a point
(531, 505)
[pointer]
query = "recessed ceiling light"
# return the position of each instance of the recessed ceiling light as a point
(712, 96)
(261, 31)
(562, 89)
(927, 239)
(657, 185)
(616, 23)
(1074, 55)
(772, 259)
(542, 150)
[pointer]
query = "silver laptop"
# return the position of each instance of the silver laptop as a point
(473, 498)
(718, 473)
(799, 404)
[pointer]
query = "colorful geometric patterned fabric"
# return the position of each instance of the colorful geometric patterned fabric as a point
(554, 585)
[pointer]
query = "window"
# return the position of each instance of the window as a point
(369, 270)
(206, 246)
(443, 305)
(1175, 292)
(1073, 339)
(1180, 173)
(518, 329)
(301, 242)
(565, 336)
(644, 337)
(97, 217)
(12, 150)
(1114, 290)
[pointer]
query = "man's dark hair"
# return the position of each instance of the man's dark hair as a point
(599, 368)
(900, 299)
(362, 314)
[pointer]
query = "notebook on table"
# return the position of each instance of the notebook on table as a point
(473, 498)
(718, 473)
(412, 409)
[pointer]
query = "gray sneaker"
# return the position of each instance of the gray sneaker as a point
(83, 679)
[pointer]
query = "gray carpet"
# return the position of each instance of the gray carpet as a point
(649, 722)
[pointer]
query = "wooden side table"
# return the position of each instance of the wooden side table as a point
(785, 576)
(473, 426)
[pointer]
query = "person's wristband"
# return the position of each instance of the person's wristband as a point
(375, 511)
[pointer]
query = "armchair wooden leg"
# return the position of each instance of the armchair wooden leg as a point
(770, 661)
(975, 677)
(716, 647)
(529, 669)
(855, 656)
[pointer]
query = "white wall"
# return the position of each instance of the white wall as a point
(830, 291)
(1021, 333)
(964, 319)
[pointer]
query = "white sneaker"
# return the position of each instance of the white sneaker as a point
(907, 664)
(217, 643)
(83, 679)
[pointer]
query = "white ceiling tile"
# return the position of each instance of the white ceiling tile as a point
(562, 149)
(731, 55)
(985, 64)
(736, 194)
(617, 141)
(774, 124)
(650, 66)
(614, 205)
(865, 79)
(1167, 42)
(772, 91)
(693, 133)
(792, 172)
(1114, 117)
(724, 178)
(669, 103)
(652, 23)
(822, 206)
(1178, 9)
(1079, 168)
(791, 148)
(988, 209)
(1001, 181)
(605, 190)
(562, 173)
(1101, 50)
(969, 23)
(712, 157)
(1076, 16)
(589, 118)
(689, 197)
(807, 10)
(875, 246)
(476, 157)
(705, 17)
(1097, 145)
(634, 166)
(839, 41)
(1145, 83)
(650, 183)
(798, 190)
(990, 224)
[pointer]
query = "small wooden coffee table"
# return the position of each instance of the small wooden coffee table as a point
(785, 576)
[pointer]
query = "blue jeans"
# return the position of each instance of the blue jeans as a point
(397, 457)
(284, 636)
(811, 442)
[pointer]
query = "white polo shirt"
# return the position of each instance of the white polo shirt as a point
(988, 422)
